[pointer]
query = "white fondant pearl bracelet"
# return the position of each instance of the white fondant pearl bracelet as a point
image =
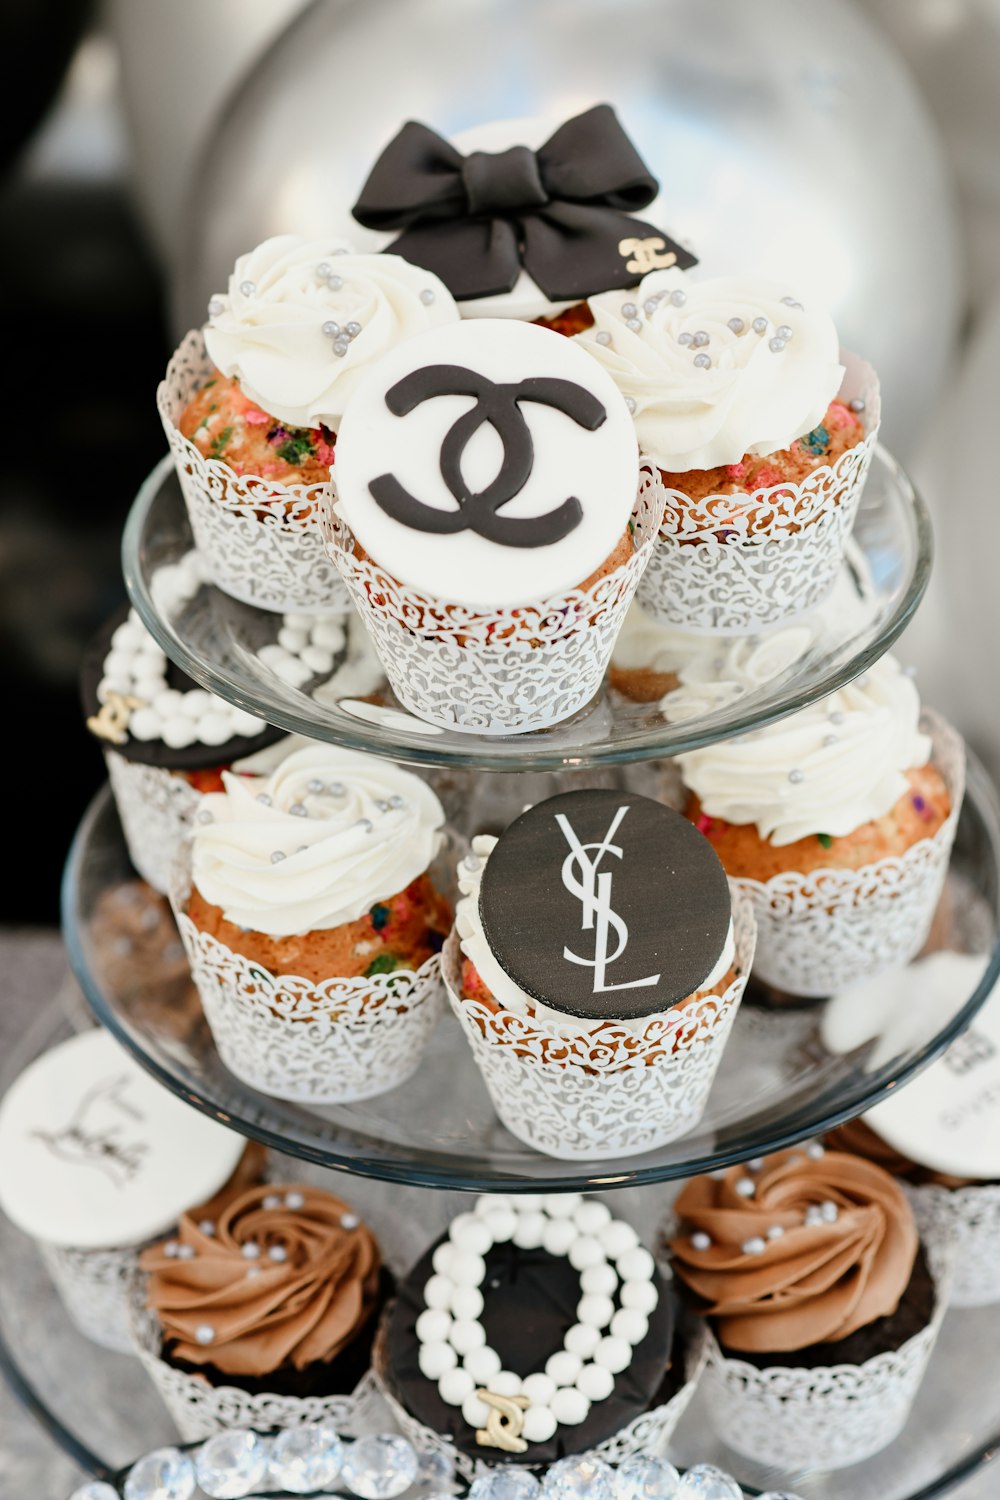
(613, 1265)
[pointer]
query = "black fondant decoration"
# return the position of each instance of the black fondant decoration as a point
(154, 752)
(605, 905)
(497, 404)
(564, 212)
(530, 1301)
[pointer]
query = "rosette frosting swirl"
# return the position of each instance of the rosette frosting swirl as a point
(303, 320)
(314, 844)
(716, 368)
(827, 769)
(286, 1276)
(818, 1245)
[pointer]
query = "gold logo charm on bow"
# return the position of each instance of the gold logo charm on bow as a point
(650, 254)
(111, 722)
(504, 1423)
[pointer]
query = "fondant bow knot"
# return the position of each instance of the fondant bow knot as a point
(563, 213)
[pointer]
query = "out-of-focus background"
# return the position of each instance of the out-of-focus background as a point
(849, 145)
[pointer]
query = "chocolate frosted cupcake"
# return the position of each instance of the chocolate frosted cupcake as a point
(535, 1328)
(276, 1299)
(809, 1261)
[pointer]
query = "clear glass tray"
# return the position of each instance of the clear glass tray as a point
(777, 1083)
(215, 640)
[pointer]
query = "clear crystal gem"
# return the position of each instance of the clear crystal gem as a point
(779, 1495)
(231, 1464)
(706, 1482)
(304, 1459)
(646, 1479)
(580, 1479)
(379, 1466)
(435, 1470)
(506, 1484)
(95, 1490)
(166, 1474)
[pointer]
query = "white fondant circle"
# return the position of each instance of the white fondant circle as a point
(95, 1154)
(600, 468)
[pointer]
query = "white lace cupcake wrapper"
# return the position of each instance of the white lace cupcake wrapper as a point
(260, 541)
(646, 1436)
(157, 811)
(829, 1417)
(200, 1409)
(326, 1043)
(819, 933)
(582, 1098)
(443, 660)
(971, 1216)
(733, 564)
(94, 1288)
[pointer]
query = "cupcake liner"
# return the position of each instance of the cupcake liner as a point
(94, 1288)
(971, 1216)
(502, 671)
(819, 933)
(200, 1409)
(584, 1099)
(327, 1043)
(260, 540)
(157, 810)
(781, 547)
(823, 1418)
(646, 1436)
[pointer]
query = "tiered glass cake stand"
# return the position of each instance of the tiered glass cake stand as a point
(780, 1081)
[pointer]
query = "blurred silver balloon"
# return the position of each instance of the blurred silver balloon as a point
(786, 134)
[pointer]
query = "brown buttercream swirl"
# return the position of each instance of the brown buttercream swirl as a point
(298, 1309)
(798, 1283)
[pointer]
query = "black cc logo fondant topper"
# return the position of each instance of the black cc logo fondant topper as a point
(488, 463)
(605, 905)
(499, 405)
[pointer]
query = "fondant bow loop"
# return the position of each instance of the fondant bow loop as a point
(563, 213)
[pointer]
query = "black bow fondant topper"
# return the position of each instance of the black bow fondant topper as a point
(563, 213)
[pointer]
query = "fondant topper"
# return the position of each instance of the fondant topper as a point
(605, 905)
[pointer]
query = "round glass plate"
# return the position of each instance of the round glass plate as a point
(104, 1412)
(729, 685)
(777, 1083)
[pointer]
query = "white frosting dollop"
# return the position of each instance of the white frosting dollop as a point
(827, 769)
(703, 391)
(303, 320)
(474, 944)
(316, 843)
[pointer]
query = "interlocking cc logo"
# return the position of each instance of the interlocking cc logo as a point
(499, 404)
(650, 254)
(505, 1422)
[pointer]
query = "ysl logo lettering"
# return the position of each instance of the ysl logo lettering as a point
(500, 406)
(111, 722)
(98, 1133)
(592, 889)
(504, 1423)
(650, 254)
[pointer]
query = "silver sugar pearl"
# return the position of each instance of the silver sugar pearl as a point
(204, 1333)
(278, 1254)
(736, 324)
(366, 824)
(352, 329)
(630, 403)
(298, 810)
(700, 1240)
(315, 786)
(207, 1227)
(703, 361)
(263, 799)
(754, 1164)
(784, 331)
(248, 288)
(337, 789)
(837, 717)
(277, 855)
(185, 1252)
(341, 346)
(396, 800)
(331, 329)
(776, 1231)
(250, 1251)
(428, 295)
(349, 1221)
(634, 324)
(323, 270)
(857, 404)
(776, 345)
(171, 1248)
(791, 302)
(700, 339)
(759, 325)
(295, 1200)
(754, 1246)
(746, 1187)
(814, 1216)
(215, 306)
(815, 1151)
(272, 1201)
(629, 310)
(830, 739)
(684, 338)
(335, 283)
(796, 777)
(603, 337)
(205, 816)
(830, 1212)
(678, 298)
(650, 305)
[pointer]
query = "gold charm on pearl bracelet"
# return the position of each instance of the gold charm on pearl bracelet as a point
(504, 1423)
(111, 723)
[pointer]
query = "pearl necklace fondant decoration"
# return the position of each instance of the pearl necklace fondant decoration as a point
(617, 1296)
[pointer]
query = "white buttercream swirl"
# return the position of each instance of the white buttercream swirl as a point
(827, 769)
(267, 330)
(316, 843)
(474, 944)
(750, 398)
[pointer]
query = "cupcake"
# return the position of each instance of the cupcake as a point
(262, 1315)
(521, 218)
(535, 1328)
(492, 570)
(596, 967)
(939, 1136)
(313, 925)
(96, 1159)
(837, 822)
(822, 1304)
(761, 430)
(252, 403)
(166, 741)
